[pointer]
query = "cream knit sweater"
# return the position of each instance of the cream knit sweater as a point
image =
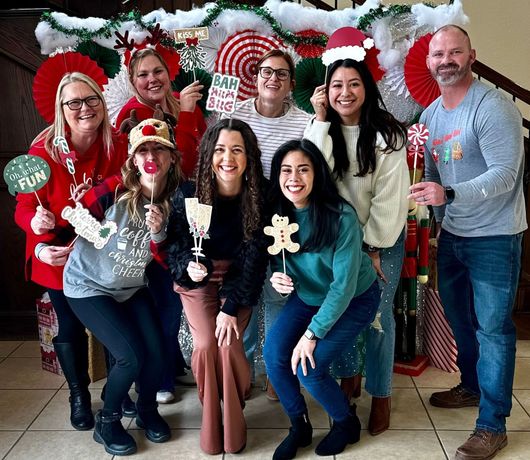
(380, 198)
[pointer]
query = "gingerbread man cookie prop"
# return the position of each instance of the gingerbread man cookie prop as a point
(281, 231)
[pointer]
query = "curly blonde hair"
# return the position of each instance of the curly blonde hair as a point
(133, 188)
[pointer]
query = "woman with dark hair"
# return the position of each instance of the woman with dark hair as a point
(274, 119)
(107, 287)
(364, 146)
(218, 292)
(333, 296)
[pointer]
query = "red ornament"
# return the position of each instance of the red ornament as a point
(148, 130)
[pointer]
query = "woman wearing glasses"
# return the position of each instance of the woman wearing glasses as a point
(81, 117)
(275, 120)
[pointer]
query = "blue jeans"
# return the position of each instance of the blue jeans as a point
(478, 279)
(169, 310)
(283, 336)
(379, 337)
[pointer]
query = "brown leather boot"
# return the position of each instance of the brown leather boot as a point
(482, 445)
(379, 415)
(351, 386)
(271, 392)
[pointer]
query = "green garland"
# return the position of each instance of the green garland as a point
(382, 12)
(287, 36)
(264, 13)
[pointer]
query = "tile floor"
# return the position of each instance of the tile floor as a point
(34, 418)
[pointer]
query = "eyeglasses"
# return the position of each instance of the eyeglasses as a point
(76, 104)
(267, 72)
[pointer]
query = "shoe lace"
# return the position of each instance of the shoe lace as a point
(481, 434)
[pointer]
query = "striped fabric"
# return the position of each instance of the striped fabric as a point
(438, 340)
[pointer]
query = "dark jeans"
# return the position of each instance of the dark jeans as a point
(283, 336)
(169, 309)
(478, 279)
(131, 332)
(71, 330)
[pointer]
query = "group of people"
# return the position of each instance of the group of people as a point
(342, 177)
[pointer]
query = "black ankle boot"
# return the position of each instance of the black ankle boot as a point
(341, 434)
(156, 428)
(128, 406)
(300, 435)
(110, 432)
(74, 363)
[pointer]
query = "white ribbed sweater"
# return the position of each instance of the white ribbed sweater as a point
(380, 198)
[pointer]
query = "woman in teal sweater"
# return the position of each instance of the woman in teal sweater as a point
(330, 278)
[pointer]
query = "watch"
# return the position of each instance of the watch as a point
(449, 195)
(309, 335)
(369, 248)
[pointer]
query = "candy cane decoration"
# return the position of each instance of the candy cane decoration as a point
(65, 154)
(417, 135)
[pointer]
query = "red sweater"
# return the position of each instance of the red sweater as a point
(188, 132)
(55, 195)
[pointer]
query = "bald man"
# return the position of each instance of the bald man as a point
(474, 180)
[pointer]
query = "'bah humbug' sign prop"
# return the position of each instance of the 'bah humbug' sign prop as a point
(222, 95)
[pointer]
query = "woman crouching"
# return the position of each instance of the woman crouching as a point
(333, 295)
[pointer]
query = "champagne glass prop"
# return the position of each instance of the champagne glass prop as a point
(151, 168)
(281, 230)
(199, 218)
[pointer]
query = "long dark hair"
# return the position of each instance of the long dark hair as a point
(325, 203)
(374, 119)
(253, 182)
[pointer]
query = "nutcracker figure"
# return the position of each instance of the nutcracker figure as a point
(416, 262)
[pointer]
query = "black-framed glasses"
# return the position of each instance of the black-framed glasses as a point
(268, 72)
(76, 104)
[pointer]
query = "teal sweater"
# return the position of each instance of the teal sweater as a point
(332, 277)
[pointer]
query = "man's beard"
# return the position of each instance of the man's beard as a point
(456, 73)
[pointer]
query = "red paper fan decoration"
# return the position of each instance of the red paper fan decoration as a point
(51, 72)
(238, 56)
(309, 51)
(170, 56)
(373, 64)
(420, 83)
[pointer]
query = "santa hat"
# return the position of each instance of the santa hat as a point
(346, 43)
(351, 43)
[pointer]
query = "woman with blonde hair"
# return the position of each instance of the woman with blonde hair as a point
(80, 117)
(150, 78)
(107, 287)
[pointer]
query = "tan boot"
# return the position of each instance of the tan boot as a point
(351, 386)
(271, 393)
(379, 415)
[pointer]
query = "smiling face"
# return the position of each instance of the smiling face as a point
(151, 80)
(273, 89)
(229, 161)
(450, 57)
(86, 120)
(152, 155)
(296, 178)
(346, 94)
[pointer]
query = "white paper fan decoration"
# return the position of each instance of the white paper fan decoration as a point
(216, 37)
(117, 92)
